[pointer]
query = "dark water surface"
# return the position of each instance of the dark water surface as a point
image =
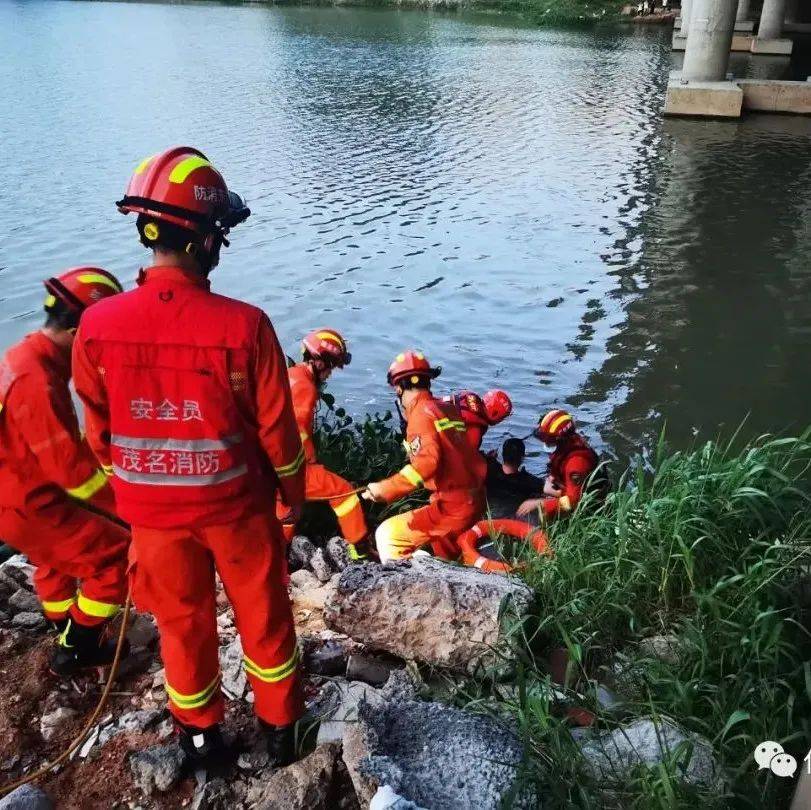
(506, 198)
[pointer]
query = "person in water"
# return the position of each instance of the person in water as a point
(508, 483)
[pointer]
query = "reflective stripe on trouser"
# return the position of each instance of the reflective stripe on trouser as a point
(173, 578)
(322, 483)
(73, 550)
(437, 523)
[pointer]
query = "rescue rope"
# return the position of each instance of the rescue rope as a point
(65, 755)
(348, 494)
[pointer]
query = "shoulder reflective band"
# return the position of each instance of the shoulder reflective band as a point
(293, 467)
(186, 167)
(99, 610)
(345, 507)
(196, 700)
(272, 674)
(565, 504)
(449, 424)
(85, 491)
(412, 476)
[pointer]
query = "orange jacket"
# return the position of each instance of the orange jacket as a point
(187, 400)
(440, 457)
(570, 466)
(42, 453)
(305, 399)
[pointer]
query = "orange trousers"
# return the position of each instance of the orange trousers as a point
(81, 559)
(173, 578)
(439, 523)
(323, 483)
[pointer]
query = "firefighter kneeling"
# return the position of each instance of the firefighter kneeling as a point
(188, 404)
(440, 459)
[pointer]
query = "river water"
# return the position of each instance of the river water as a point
(506, 198)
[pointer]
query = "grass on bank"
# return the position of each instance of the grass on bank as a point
(711, 546)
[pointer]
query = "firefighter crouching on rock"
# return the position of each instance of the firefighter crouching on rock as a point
(439, 458)
(323, 351)
(47, 474)
(188, 405)
(480, 413)
(570, 466)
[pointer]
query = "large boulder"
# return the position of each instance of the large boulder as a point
(428, 610)
(27, 797)
(435, 756)
(613, 756)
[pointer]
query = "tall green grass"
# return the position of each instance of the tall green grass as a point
(711, 546)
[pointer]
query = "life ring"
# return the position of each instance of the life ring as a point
(469, 542)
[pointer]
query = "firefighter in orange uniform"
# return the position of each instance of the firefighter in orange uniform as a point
(481, 413)
(570, 466)
(323, 351)
(188, 405)
(440, 459)
(47, 473)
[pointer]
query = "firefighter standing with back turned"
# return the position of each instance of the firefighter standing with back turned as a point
(440, 459)
(188, 404)
(323, 351)
(47, 474)
(481, 413)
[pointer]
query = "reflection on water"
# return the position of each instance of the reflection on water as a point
(508, 199)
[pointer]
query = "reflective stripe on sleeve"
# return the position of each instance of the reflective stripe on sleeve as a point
(85, 491)
(108, 470)
(193, 701)
(100, 610)
(293, 467)
(412, 476)
(345, 507)
(272, 674)
(449, 424)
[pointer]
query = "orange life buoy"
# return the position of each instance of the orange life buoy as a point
(470, 540)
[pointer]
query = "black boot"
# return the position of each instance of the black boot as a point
(281, 743)
(203, 746)
(83, 647)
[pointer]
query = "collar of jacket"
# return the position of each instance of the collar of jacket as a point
(422, 396)
(55, 355)
(176, 275)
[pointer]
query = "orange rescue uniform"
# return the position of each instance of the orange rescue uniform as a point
(189, 404)
(441, 460)
(570, 466)
(320, 482)
(47, 471)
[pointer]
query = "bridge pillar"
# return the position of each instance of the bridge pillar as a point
(701, 89)
(742, 22)
(769, 39)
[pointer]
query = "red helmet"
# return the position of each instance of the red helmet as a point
(412, 364)
(327, 345)
(80, 287)
(181, 187)
(554, 426)
(497, 406)
(471, 406)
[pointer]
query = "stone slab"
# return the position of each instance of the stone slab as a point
(744, 26)
(763, 95)
(741, 42)
(703, 99)
(774, 47)
(679, 42)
